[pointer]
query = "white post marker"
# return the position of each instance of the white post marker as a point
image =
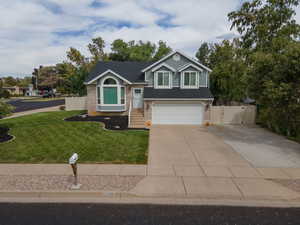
(73, 162)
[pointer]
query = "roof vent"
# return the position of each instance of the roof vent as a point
(176, 57)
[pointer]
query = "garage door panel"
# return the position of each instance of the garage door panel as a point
(191, 114)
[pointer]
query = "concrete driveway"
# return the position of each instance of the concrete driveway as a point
(200, 161)
(259, 146)
(190, 146)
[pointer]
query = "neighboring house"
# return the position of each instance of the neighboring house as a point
(173, 90)
(15, 90)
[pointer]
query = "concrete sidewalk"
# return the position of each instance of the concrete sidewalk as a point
(29, 112)
(140, 184)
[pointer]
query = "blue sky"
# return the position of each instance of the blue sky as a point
(39, 32)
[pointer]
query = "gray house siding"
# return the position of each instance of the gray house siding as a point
(176, 76)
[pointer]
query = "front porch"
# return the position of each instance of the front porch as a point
(136, 119)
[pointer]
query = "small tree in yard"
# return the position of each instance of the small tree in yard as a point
(5, 109)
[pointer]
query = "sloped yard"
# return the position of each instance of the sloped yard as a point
(47, 138)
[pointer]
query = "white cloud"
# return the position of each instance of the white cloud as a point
(28, 36)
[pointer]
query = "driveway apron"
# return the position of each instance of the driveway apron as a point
(178, 146)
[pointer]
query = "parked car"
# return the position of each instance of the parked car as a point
(48, 94)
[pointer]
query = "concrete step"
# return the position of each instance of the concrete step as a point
(137, 118)
(137, 122)
(137, 115)
(137, 126)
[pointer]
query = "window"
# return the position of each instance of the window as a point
(110, 81)
(122, 95)
(98, 95)
(110, 92)
(110, 95)
(190, 79)
(163, 79)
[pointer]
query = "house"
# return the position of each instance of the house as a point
(15, 90)
(173, 90)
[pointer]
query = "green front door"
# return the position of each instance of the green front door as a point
(110, 95)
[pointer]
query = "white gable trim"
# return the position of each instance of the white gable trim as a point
(189, 65)
(172, 53)
(106, 72)
(165, 65)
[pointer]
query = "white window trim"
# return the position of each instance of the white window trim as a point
(163, 65)
(106, 72)
(156, 86)
(189, 86)
(117, 85)
(189, 65)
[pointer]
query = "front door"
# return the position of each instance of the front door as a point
(137, 98)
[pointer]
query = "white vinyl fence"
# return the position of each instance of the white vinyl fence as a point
(233, 114)
(76, 103)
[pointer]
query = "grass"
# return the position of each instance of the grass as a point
(46, 138)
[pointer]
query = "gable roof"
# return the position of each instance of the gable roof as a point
(130, 71)
(106, 72)
(189, 65)
(163, 65)
(173, 53)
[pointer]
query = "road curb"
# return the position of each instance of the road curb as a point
(126, 198)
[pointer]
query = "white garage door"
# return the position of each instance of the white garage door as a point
(191, 114)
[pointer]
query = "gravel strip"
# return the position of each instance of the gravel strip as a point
(62, 183)
(291, 184)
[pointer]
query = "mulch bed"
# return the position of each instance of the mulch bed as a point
(4, 136)
(111, 122)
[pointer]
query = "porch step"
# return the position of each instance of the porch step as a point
(137, 114)
(137, 126)
(137, 119)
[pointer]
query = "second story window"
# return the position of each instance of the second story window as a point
(190, 79)
(163, 79)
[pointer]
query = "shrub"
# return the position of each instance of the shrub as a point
(4, 93)
(5, 109)
(3, 132)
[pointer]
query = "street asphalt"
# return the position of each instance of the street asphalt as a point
(90, 214)
(21, 106)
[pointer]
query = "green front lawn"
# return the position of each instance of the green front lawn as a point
(46, 138)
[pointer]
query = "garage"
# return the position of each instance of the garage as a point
(189, 114)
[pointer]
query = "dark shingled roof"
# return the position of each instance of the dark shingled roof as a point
(131, 71)
(152, 93)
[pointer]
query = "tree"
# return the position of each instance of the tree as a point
(270, 37)
(76, 57)
(142, 51)
(120, 51)
(5, 109)
(259, 22)
(203, 53)
(227, 78)
(138, 51)
(96, 49)
(76, 81)
(162, 50)
(10, 81)
(24, 82)
(46, 76)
